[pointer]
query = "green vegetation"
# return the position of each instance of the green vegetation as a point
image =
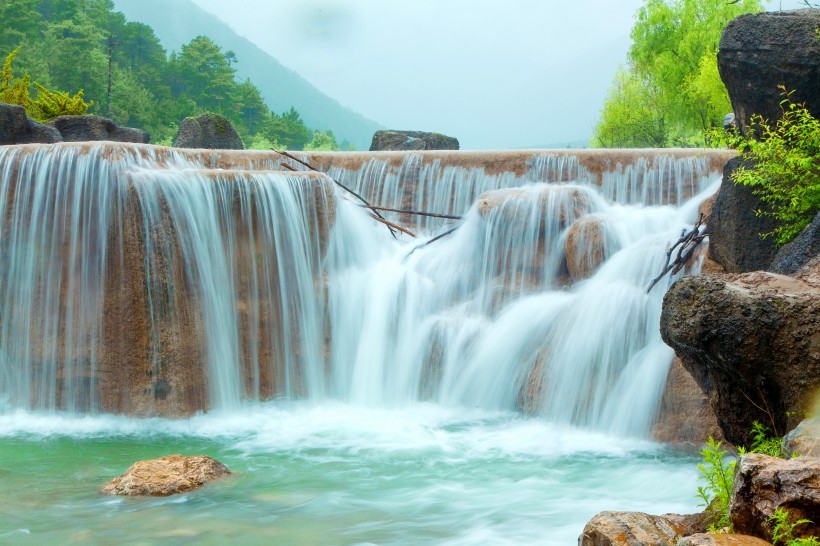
(783, 532)
(120, 65)
(786, 172)
(670, 90)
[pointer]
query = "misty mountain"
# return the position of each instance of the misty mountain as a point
(177, 22)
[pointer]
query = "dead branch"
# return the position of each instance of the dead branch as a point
(348, 190)
(686, 246)
(394, 226)
(430, 242)
(418, 213)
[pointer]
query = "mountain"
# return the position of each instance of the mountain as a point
(177, 22)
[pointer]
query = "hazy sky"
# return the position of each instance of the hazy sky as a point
(494, 74)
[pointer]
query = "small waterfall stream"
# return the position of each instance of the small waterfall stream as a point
(142, 284)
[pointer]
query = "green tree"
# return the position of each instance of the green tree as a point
(323, 141)
(633, 115)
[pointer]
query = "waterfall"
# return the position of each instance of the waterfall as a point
(143, 280)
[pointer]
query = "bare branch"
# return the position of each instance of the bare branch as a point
(686, 245)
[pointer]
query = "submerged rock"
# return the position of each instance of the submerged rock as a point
(167, 476)
(17, 128)
(94, 128)
(752, 342)
(803, 441)
(638, 529)
(208, 131)
(764, 484)
(412, 140)
(586, 247)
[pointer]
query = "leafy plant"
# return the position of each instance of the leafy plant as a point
(763, 442)
(718, 473)
(783, 532)
(786, 175)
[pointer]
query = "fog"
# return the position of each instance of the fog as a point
(519, 73)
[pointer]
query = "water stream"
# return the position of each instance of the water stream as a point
(494, 387)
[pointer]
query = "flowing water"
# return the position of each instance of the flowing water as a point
(493, 387)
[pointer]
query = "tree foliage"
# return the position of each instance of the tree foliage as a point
(671, 79)
(123, 68)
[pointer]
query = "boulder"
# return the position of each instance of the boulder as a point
(586, 247)
(208, 131)
(735, 228)
(412, 140)
(752, 342)
(17, 128)
(729, 122)
(94, 128)
(638, 529)
(169, 475)
(764, 484)
(795, 255)
(721, 539)
(685, 415)
(803, 441)
(760, 51)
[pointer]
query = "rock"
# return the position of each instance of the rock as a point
(705, 209)
(793, 256)
(685, 415)
(729, 122)
(715, 539)
(635, 529)
(734, 228)
(803, 441)
(586, 247)
(760, 51)
(412, 140)
(763, 484)
(208, 131)
(169, 475)
(94, 128)
(752, 342)
(17, 128)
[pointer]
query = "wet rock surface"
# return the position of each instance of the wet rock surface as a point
(94, 128)
(792, 257)
(208, 131)
(17, 128)
(412, 140)
(167, 476)
(713, 539)
(638, 529)
(803, 441)
(763, 484)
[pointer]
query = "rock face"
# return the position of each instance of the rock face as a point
(763, 484)
(734, 228)
(17, 128)
(685, 414)
(760, 51)
(712, 539)
(167, 476)
(208, 131)
(586, 247)
(795, 255)
(638, 529)
(94, 128)
(412, 140)
(803, 441)
(752, 342)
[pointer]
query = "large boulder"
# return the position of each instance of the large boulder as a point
(208, 131)
(795, 255)
(752, 342)
(760, 51)
(17, 128)
(94, 128)
(167, 476)
(639, 529)
(803, 441)
(764, 484)
(412, 140)
(734, 227)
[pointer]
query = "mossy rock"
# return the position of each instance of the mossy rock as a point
(209, 131)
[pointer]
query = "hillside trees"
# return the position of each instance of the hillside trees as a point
(671, 75)
(122, 68)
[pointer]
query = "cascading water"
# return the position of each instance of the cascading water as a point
(144, 281)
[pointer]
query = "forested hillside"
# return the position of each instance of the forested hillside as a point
(73, 45)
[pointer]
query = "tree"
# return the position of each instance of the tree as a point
(633, 115)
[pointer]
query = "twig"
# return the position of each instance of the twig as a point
(430, 242)
(348, 190)
(686, 246)
(394, 226)
(418, 213)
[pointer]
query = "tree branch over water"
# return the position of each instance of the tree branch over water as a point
(686, 246)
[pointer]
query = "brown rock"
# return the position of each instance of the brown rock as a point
(763, 484)
(685, 415)
(586, 247)
(631, 529)
(95, 128)
(169, 475)
(803, 441)
(714, 539)
(705, 208)
(752, 342)
(412, 140)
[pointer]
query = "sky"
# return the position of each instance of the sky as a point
(494, 74)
